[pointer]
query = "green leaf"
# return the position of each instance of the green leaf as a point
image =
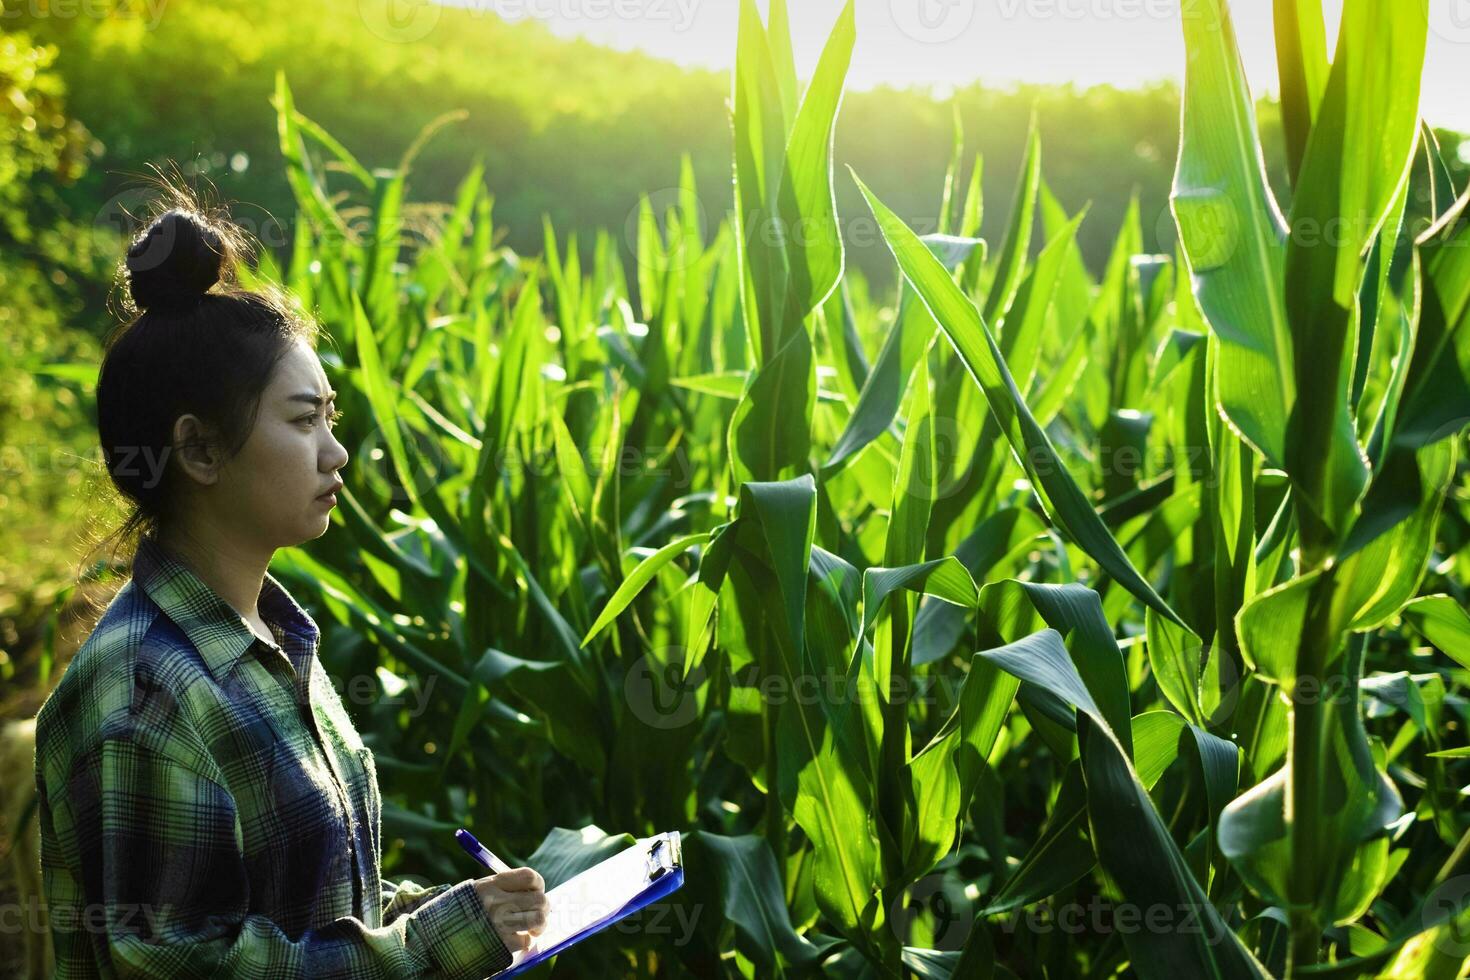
(1000, 539)
(819, 781)
(549, 686)
(1301, 62)
(943, 578)
(379, 285)
(721, 384)
(966, 330)
(760, 130)
(878, 401)
(1023, 330)
(84, 374)
(770, 430)
(1176, 657)
(1443, 621)
(782, 59)
(753, 901)
(310, 196)
(382, 400)
(1297, 633)
(1012, 609)
(945, 772)
(1382, 573)
(806, 201)
(1360, 154)
(639, 578)
(1233, 234)
(1270, 627)
(1132, 842)
(1436, 393)
(1017, 244)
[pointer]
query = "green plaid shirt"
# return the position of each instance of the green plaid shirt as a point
(207, 808)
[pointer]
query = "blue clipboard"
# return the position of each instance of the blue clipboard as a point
(650, 870)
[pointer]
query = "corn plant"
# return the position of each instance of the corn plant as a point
(1010, 593)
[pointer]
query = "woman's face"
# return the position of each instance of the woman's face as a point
(274, 485)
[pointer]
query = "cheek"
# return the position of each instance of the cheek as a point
(278, 460)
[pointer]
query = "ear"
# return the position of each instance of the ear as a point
(195, 451)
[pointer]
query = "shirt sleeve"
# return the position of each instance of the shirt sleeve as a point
(400, 897)
(156, 846)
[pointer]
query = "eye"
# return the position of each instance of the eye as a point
(332, 419)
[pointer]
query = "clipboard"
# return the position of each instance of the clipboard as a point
(585, 904)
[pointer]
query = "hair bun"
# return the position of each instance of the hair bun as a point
(175, 260)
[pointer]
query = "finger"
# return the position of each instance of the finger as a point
(532, 920)
(519, 879)
(522, 901)
(518, 901)
(506, 917)
(516, 939)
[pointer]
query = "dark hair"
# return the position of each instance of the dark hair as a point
(194, 341)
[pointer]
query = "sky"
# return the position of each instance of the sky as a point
(944, 43)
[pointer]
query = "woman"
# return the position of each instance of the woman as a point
(206, 806)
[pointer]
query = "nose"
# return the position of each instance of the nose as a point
(336, 455)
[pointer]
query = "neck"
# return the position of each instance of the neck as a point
(235, 571)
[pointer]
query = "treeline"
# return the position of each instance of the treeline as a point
(565, 128)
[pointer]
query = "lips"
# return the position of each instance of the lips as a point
(330, 491)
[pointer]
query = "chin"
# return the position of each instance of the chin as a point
(309, 530)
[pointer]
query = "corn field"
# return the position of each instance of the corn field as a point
(1018, 621)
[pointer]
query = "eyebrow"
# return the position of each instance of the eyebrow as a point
(312, 397)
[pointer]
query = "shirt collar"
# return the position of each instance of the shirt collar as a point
(215, 627)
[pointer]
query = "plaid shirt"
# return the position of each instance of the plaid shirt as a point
(208, 809)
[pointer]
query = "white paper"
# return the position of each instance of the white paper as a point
(583, 901)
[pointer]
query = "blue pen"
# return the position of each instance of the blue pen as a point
(479, 851)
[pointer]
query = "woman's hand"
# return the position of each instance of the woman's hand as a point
(515, 901)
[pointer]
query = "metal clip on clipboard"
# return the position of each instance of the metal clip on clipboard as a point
(662, 857)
